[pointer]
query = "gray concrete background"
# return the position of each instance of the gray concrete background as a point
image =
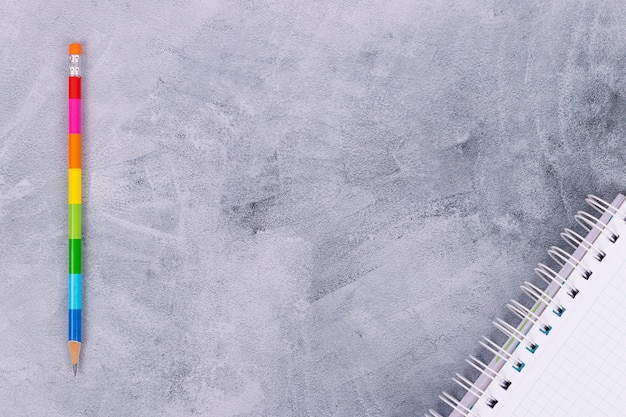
(291, 208)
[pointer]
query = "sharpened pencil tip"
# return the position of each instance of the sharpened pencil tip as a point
(74, 353)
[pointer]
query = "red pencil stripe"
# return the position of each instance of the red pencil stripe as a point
(74, 87)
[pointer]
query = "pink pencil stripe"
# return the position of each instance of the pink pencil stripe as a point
(74, 115)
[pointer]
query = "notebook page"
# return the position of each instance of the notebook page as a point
(579, 367)
(586, 377)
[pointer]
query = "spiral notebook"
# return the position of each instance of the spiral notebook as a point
(567, 354)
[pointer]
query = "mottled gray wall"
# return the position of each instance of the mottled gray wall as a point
(291, 208)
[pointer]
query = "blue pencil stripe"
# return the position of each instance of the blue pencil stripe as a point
(75, 293)
(74, 325)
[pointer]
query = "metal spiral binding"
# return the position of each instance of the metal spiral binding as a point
(456, 405)
(536, 294)
(511, 331)
(525, 313)
(471, 387)
(601, 206)
(488, 372)
(550, 275)
(575, 240)
(588, 222)
(497, 350)
(561, 257)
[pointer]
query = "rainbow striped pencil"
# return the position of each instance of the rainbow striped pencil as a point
(74, 208)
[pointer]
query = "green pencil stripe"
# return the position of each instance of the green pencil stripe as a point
(75, 261)
(74, 221)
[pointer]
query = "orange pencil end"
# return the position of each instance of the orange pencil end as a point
(75, 49)
(74, 354)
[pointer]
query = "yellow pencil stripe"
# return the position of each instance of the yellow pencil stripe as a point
(74, 186)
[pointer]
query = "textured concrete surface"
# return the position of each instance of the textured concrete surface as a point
(291, 208)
